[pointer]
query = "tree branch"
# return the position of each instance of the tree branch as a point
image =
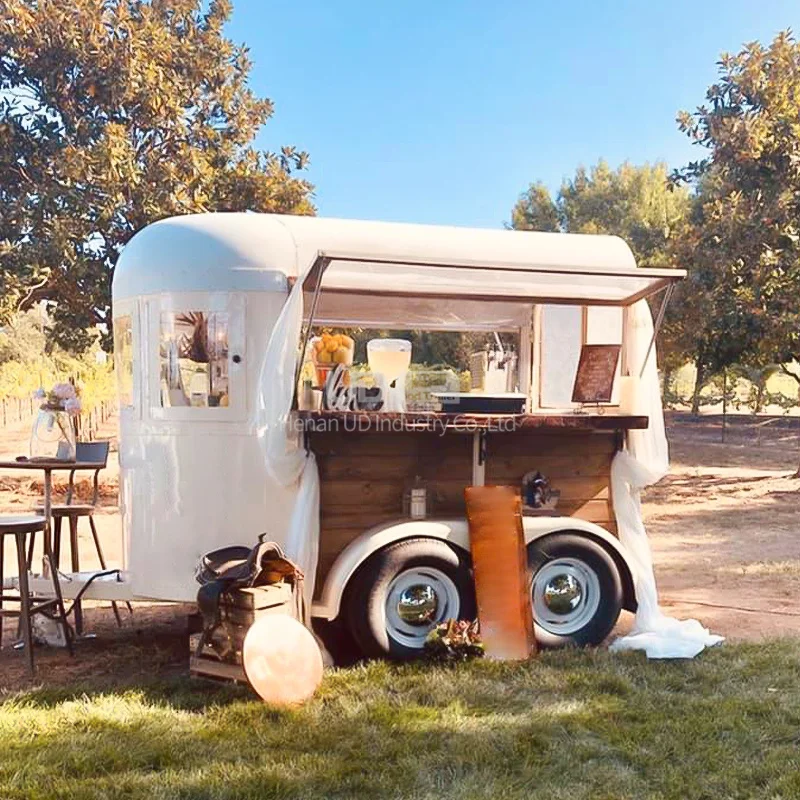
(786, 371)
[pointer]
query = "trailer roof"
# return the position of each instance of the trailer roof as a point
(263, 252)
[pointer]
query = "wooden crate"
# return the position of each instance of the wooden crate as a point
(238, 611)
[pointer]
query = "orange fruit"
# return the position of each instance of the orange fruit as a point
(341, 356)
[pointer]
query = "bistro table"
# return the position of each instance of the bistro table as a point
(48, 466)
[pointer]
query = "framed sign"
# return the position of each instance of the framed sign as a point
(597, 368)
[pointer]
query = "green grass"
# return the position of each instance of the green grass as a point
(568, 725)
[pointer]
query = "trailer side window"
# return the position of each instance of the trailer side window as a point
(123, 359)
(194, 359)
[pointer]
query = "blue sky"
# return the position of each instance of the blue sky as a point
(443, 111)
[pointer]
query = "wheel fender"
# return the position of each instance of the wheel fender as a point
(456, 532)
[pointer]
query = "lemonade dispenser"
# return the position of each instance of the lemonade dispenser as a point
(389, 360)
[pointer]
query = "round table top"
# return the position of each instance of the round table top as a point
(49, 464)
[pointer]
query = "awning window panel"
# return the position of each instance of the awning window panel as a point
(424, 313)
(557, 285)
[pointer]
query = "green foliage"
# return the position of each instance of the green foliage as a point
(707, 321)
(454, 640)
(637, 203)
(114, 114)
(23, 337)
(748, 230)
(30, 360)
(535, 210)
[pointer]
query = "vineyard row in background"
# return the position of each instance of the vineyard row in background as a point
(95, 381)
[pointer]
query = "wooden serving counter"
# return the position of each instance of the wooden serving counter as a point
(365, 466)
(386, 422)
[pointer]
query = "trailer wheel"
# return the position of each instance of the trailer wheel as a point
(576, 590)
(401, 592)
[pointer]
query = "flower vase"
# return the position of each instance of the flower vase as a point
(53, 435)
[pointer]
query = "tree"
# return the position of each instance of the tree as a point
(535, 210)
(22, 338)
(637, 203)
(115, 113)
(707, 323)
(750, 128)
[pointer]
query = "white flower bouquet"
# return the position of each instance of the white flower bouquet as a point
(62, 397)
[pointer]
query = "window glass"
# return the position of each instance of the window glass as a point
(123, 359)
(604, 326)
(561, 349)
(194, 359)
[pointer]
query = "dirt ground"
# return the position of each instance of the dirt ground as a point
(724, 527)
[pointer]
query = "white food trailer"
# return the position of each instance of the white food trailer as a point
(195, 302)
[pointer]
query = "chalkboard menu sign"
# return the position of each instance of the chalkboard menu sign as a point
(594, 381)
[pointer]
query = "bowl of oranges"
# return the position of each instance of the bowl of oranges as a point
(328, 351)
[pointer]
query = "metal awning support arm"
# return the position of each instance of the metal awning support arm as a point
(668, 290)
(317, 269)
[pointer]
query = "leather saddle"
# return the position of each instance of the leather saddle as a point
(239, 567)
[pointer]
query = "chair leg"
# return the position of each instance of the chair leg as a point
(103, 565)
(62, 611)
(25, 602)
(57, 541)
(76, 566)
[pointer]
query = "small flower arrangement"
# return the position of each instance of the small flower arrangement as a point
(454, 640)
(62, 397)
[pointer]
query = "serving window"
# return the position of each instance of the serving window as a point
(194, 357)
(197, 357)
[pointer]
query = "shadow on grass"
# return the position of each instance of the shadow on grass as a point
(573, 724)
(178, 692)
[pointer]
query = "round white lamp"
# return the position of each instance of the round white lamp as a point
(282, 660)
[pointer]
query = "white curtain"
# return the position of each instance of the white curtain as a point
(286, 459)
(644, 462)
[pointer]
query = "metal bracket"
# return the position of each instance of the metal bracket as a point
(320, 265)
(657, 324)
(482, 449)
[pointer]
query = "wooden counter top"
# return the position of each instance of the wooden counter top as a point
(386, 422)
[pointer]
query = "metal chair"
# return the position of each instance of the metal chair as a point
(20, 527)
(93, 452)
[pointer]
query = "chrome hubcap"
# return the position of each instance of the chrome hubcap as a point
(418, 604)
(566, 595)
(417, 600)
